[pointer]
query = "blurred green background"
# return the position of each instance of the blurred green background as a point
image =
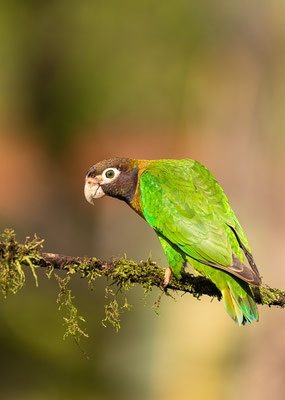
(84, 81)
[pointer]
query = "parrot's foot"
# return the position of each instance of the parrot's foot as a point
(167, 276)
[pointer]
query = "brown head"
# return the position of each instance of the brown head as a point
(116, 177)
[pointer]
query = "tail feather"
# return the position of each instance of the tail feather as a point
(237, 295)
(246, 304)
(231, 307)
(239, 305)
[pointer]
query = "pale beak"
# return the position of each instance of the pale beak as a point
(92, 190)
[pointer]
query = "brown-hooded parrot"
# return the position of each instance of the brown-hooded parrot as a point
(191, 215)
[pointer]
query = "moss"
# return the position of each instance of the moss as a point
(113, 310)
(124, 274)
(65, 301)
(269, 296)
(13, 257)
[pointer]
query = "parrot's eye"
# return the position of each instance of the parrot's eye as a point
(110, 173)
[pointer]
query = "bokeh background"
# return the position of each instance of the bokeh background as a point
(84, 81)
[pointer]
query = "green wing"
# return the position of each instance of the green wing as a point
(184, 203)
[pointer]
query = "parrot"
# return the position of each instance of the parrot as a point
(191, 215)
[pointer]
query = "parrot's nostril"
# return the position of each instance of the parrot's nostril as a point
(90, 182)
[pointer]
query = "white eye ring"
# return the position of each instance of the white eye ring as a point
(109, 174)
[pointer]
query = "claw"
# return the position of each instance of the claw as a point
(167, 275)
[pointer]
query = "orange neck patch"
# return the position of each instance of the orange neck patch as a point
(136, 201)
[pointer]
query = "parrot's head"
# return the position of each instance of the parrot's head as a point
(116, 177)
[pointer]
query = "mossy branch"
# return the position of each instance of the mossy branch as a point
(123, 272)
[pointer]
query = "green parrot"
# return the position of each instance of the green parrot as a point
(191, 215)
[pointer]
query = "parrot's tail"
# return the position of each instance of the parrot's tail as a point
(237, 296)
(239, 303)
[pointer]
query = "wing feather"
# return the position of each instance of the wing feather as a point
(184, 203)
